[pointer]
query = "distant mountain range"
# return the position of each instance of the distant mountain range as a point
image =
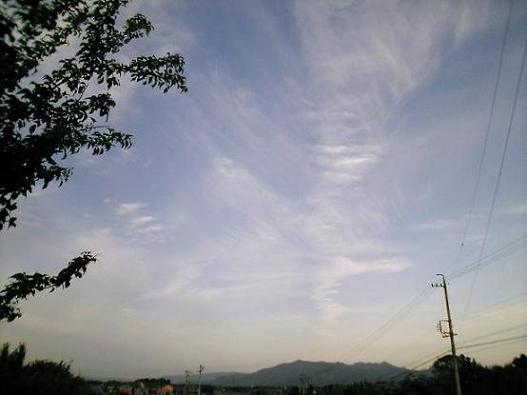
(288, 374)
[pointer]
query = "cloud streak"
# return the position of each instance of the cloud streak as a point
(282, 195)
(129, 208)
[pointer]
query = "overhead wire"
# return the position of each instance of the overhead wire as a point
(497, 254)
(487, 134)
(490, 346)
(491, 258)
(498, 332)
(422, 361)
(418, 364)
(500, 173)
(467, 345)
(421, 334)
(497, 341)
(501, 306)
(399, 315)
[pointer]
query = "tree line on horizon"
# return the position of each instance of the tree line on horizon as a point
(476, 379)
(45, 377)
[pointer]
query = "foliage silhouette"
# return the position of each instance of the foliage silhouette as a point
(38, 377)
(45, 120)
(476, 379)
(23, 285)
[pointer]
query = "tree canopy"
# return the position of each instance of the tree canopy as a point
(42, 377)
(47, 117)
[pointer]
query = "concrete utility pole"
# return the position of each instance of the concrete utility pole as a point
(303, 384)
(187, 382)
(450, 333)
(201, 369)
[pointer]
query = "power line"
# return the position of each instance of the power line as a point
(489, 259)
(500, 172)
(399, 315)
(418, 364)
(498, 341)
(492, 258)
(483, 348)
(440, 353)
(505, 330)
(498, 254)
(487, 132)
(502, 305)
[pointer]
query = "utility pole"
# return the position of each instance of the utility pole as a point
(187, 382)
(302, 384)
(450, 333)
(201, 369)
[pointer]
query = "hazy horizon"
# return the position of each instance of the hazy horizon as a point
(314, 179)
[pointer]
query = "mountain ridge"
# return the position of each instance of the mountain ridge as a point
(317, 373)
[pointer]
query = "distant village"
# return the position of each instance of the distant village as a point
(164, 387)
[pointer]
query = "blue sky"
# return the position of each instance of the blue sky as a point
(315, 177)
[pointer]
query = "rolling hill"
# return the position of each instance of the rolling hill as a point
(316, 373)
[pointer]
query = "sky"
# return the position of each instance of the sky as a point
(317, 175)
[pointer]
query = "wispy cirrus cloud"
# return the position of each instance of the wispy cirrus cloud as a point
(363, 63)
(516, 209)
(282, 192)
(334, 273)
(139, 224)
(440, 224)
(142, 220)
(129, 208)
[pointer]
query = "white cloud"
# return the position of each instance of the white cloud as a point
(144, 228)
(129, 208)
(517, 209)
(440, 224)
(296, 235)
(298, 197)
(142, 220)
(472, 16)
(149, 229)
(332, 274)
